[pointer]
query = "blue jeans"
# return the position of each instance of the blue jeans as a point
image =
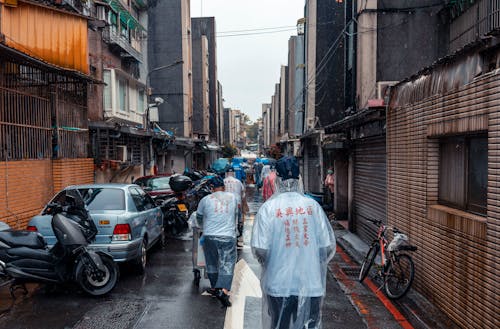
(220, 259)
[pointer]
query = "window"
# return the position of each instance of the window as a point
(463, 172)
(140, 101)
(141, 200)
(137, 198)
(123, 95)
(107, 89)
(103, 198)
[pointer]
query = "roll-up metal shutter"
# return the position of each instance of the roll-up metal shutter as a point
(370, 187)
(314, 170)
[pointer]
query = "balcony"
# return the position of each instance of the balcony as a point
(112, 37)
(480, 18)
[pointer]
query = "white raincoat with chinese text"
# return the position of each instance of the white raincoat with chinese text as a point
(294, 241)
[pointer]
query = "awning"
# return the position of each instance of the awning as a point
(130, 21)
(363, 116)
(20, 56)
(114, 125)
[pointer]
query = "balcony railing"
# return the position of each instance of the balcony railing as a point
(113, 37)
(482, 18)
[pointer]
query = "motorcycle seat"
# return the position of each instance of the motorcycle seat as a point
(30, 253)
(28, 239)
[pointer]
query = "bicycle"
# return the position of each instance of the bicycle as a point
(396, 268)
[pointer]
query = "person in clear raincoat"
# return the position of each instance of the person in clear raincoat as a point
(235, 186)
(217, 212)
(269, 183)
(293, 241)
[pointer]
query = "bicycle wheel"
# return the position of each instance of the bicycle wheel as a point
(368, 262)
(399, 276)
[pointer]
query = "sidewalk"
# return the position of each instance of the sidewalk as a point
(413, 308)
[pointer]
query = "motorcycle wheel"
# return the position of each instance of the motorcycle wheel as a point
(93, 286)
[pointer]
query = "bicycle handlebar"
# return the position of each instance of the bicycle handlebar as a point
(379, 222)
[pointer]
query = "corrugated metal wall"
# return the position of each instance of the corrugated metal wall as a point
(369, 185)
(45, 33)
(457, 264)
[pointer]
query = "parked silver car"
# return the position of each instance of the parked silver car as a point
(128, 220)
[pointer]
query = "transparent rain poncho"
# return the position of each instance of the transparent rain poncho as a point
(293, 241)
(217, 215)
(265, 171)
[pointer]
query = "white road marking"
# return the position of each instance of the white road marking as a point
(245, 283)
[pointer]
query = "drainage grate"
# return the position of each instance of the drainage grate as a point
(351, 271)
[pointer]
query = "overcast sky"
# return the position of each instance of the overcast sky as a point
(248, 66)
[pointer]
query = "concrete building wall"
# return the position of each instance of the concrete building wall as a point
(266, 124)
(283, 107)
(366, 77)
(298, 93)
(170, 41)
(200, 85)
(271, 120)
(220, 114)
(421, 29)
(275, 111)
(310, 59)
(292, 47)
(206, 26)
(329, 100)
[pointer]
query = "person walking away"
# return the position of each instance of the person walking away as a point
(269, 184)
(257, 172)
(293, 241)
(235, 186)
(217, 213)
(330, 185)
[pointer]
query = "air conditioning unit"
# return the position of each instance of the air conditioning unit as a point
(121, 153)
(382, 88)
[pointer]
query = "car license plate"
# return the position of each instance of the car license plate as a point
(181, 207)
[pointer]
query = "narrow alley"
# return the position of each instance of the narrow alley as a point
(166, 296)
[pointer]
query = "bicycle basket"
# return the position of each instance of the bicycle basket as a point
(399, 240)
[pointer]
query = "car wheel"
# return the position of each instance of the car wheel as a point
(141, 261)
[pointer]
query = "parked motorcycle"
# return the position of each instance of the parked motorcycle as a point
(175, 210)
(200, 189)
(25, 258)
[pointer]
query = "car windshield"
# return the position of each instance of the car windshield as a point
(103, 198)
(160, 183)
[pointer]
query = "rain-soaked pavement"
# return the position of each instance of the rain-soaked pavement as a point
(165, 297)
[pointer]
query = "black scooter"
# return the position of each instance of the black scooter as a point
(25, 258)
(175, 215)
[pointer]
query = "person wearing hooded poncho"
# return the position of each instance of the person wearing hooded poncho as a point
(217, 213)
(268, 181)
(293, 241)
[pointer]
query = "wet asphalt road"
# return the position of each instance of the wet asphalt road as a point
(164, 297)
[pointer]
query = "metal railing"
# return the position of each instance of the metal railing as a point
(112, 36)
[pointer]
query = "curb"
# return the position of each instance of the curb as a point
(416, 308)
